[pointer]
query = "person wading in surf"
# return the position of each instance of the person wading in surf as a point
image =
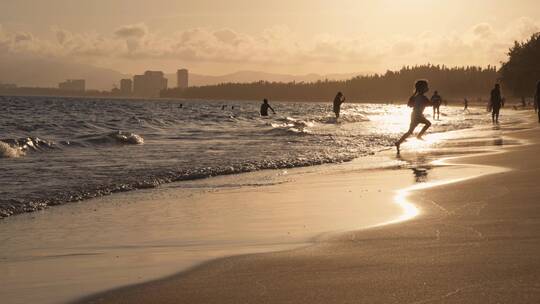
(338, 100)
(436, 100)
(418, 102)
(496, 101)
(264, 108)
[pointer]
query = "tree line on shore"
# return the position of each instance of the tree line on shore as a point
(522, 70)
(518, 76)
(454, 82)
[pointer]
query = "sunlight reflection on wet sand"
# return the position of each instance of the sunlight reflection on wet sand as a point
(410, 210)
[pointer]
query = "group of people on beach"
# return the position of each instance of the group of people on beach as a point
(418, 102)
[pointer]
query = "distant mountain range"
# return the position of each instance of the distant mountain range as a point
(41, 72)
(252, 76)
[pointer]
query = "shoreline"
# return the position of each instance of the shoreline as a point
(156, 181)
(117, 295)
(337, 170)
(134, 247)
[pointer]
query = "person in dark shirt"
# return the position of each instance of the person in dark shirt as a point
(436, 100)
(264, 108)
(537, 100)
(496, 103)
(418, 102)
(338, 100)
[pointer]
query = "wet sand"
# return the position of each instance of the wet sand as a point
(474, 241)
(63, 253)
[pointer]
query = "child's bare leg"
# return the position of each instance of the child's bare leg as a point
(424, 129)
(404, 137)
(401, 140)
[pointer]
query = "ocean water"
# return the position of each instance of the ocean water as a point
(59, 150)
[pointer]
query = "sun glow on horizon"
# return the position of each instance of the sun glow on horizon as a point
(281, 37)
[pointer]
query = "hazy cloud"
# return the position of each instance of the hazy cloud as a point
(404, 47)
(61, 35)
(21, 36)
(133, 34)
(483, 31)
(482, 44)
(227, 36)
(131, 31)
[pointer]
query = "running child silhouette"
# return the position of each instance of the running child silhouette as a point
(418, 102)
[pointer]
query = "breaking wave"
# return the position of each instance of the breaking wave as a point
(118, 137)
(6, 151)
(13, 148)
(72, 150)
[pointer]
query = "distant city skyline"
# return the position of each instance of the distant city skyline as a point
(300, 37)
(149, 84)
(75, 85)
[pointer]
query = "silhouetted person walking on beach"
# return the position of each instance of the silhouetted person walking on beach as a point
(537, 100)
(418, 102)
(496, 103)
(264, 108)
(436, 100)
(338, 100)
(466, 104)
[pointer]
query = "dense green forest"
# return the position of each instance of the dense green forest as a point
(522, 70)
(456, 82)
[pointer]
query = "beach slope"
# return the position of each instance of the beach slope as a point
(477, 241)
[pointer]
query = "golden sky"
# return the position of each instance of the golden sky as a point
(294, 36)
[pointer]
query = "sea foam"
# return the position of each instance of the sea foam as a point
(6, 151)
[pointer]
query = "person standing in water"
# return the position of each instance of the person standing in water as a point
(338, 100)
(466, 104)
(537, 100)
(436, 100)
(496, 103)
(418, 102)
(264, 108)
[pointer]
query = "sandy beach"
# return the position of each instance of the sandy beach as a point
(141, 236)
(269, 152)
(329, 232)
(145, 235)
(474, 241)
(227, 152)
